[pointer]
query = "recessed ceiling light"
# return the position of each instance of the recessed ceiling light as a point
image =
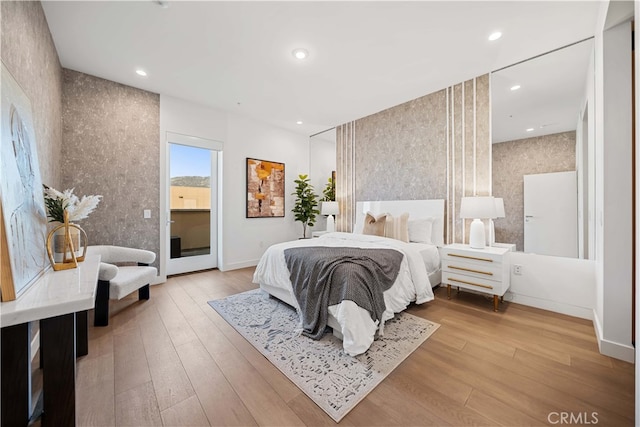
(530, 130)
(300, 53)
(516, 87)
(142, 73)
(495, 36)
(299, 122)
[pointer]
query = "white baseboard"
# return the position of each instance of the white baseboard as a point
(238, 265)
(158, 280)
(610, 348)
(556, 307)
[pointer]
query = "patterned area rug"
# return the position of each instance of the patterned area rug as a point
(335, 381)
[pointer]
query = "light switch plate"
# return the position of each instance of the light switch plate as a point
(147, 213)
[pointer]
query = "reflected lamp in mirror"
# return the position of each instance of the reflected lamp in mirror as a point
(330, 208)
(499, 214)
(477, 208)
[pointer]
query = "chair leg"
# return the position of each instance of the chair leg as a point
(143, 292)
(101, 312)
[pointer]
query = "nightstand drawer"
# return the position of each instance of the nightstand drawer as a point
(489, 271)
(469, 282)
(475, 257)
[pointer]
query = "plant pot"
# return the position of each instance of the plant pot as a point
(59, 240)
(66, 245)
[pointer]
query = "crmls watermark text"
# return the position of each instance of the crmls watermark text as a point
(583, 418)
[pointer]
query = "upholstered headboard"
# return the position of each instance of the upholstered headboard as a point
(417, 209)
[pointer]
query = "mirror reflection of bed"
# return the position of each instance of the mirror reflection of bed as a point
(418, 273)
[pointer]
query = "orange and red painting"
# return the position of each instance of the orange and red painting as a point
(265, 189)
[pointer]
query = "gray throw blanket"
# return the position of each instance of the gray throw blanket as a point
(324, 276)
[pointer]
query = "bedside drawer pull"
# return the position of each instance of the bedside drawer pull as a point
(471, 257)
(471, 283)
(470, 270)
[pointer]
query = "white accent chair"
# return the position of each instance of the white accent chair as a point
(117, 281)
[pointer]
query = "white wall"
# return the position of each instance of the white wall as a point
(617, 191)
(187, 118)
(243, 240)
(612, 314)
(562, 285)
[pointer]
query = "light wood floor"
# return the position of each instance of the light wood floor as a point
(173, 361)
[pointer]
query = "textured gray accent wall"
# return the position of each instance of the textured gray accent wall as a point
(112, 148)
(433, 147)
(514, 159)
(399, 152)
(28, 52)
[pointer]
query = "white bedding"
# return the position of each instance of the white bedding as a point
(357, 328)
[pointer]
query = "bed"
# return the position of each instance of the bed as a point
(418, 272)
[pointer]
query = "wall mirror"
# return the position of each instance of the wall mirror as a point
(322, 162)
(542, 158)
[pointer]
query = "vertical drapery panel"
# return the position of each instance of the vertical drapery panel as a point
(469, 141)
(345, 161)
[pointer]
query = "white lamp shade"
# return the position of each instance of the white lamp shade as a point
(330, 208)
(478, 207)
(499, 207)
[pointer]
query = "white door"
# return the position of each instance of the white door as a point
(192, 195)
(551, 214)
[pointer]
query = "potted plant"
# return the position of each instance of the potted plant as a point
(329, 192)
(306, 203)
(64, 242)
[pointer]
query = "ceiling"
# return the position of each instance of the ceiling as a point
(552, 92)
(364, 57)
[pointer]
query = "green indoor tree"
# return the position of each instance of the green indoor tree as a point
(306, 203)
(329, 192)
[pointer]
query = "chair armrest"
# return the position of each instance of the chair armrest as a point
(113, 254)
(107, 271)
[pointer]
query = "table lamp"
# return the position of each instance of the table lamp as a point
(477, 208)
(330, 208)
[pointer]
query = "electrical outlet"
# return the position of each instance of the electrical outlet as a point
(517, 269)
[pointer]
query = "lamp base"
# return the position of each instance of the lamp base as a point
(476, 234)
(331, 225)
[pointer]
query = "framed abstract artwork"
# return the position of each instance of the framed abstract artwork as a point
(24, 227)
(265, 189)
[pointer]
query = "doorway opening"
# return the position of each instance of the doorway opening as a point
(192, 220)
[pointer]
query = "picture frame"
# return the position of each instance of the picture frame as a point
(265, 188)
(24, 228)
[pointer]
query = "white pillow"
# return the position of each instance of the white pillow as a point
(420, 230)
(397, 227)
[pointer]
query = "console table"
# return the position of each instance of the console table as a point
(59, 300)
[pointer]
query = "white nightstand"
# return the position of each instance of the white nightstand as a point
(510, 246)
(319, 233)
(483, 270)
